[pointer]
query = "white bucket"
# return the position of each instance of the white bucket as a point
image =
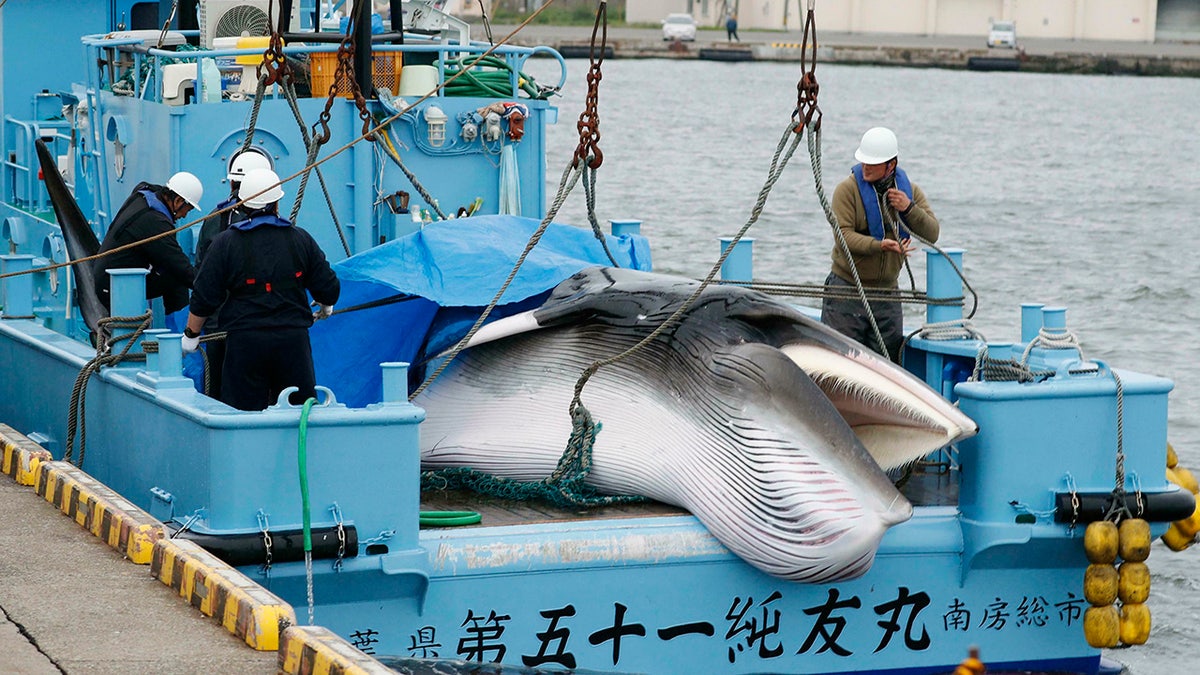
(418, 80)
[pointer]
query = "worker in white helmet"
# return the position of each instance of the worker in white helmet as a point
(223, 214)
(152, 210)
(877, 210)
(258, 276)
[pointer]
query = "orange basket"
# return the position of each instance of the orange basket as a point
(385, 72)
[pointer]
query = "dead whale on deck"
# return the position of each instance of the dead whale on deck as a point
(745, 415)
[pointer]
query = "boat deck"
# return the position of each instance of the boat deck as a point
(929, 484)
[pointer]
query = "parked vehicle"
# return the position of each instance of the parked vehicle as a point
(679, 27)
(1002, 34)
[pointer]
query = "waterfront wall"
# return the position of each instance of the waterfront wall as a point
(1127, 20)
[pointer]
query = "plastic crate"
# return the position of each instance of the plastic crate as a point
(385, 72)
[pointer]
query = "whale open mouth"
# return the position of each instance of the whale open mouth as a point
(896, 417)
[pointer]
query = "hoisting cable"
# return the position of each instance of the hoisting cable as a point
(566, 485)
(588, 151)
(487, 24)
(806, 107)
(576, 459)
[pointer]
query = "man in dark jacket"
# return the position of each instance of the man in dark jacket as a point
(258, 274)
(151, 210)
(217, 222)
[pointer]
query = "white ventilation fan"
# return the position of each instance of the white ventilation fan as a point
(235, 18)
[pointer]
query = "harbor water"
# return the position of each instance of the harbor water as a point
(1069, 190)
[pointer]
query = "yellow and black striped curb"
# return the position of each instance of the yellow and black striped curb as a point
(315, 650)
(21, 456)
(99, 510)
(211, 585)
(791, 45)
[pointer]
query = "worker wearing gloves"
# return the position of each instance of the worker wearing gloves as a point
(223, 215)
(258, 273)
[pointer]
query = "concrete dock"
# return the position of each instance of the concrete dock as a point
(71, 604)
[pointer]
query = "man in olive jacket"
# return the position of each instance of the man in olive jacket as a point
(877, 208)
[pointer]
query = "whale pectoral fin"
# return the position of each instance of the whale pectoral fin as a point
(80, 240)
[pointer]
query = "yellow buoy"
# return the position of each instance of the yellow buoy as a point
(1133, 583)
(1172, 458)
(1102, 626)
(1134, 536)
(1100, 541)
(1135, 623)
(1176, 540)
(1100, 584)
(1191, 525)
(1186, 480)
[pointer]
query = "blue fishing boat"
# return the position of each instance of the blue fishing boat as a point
(528, 448)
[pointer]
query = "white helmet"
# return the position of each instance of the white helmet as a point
(878, 146)
(245, 162)
(258, 180)
(187, 186)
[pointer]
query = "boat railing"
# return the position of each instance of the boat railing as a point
(21, 166)
(129, 66)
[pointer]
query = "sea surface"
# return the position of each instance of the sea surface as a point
(1069, 190)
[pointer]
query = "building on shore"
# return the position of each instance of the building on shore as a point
(1121, 20)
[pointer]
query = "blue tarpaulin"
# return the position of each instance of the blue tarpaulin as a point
(430, 286)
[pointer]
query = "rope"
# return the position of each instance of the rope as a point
(77, 410)
(1052, 339)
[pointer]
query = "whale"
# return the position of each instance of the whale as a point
(771, 429)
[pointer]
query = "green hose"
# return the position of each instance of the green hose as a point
(448, 518)
(486, 76)
(302, 460)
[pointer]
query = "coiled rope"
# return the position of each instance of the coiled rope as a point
(77, 411)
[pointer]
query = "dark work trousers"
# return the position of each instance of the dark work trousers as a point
(216, 364)
(261, 362)
(849, 318)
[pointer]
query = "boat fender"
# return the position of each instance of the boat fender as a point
(1134, 540)
(1135, 624)
(1100, 541)
(1184, 478)
(1133, 584)
(1100, 583)
(286, 545)
(1102, 626)
(971, 665)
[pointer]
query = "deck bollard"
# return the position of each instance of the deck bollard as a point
(739, 266)
(1031, 320)
(623, 227)
(1054, 320)
(17, 291)
(152, 337)
(127, 290)
(170, 355)
(942, 282)
(395, 382)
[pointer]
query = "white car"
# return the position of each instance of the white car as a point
(1002, 34)
(679, 27)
